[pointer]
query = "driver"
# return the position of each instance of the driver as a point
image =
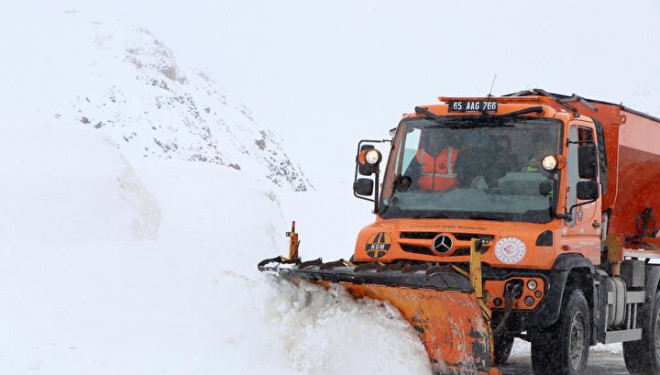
(538, 150)
(434, 165)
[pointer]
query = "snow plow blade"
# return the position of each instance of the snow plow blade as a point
(439, 302)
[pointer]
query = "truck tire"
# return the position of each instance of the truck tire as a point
(563, 348)
(643, 356)
(503, 347)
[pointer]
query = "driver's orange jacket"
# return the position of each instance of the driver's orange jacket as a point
(439, 172)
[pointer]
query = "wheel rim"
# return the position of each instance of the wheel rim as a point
(576, 346)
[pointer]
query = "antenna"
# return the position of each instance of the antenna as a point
(490, 93)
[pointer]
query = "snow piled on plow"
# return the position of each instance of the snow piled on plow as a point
(310, 330)
(111, 265)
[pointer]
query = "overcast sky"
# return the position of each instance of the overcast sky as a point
(326, 73)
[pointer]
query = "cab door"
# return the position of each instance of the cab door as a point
(581, 233)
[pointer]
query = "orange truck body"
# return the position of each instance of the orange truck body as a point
(608, 243)
(633, 155)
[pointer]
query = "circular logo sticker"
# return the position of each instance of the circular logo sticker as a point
(378, 244)
(510, 250)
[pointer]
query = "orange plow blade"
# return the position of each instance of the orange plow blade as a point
(449, 323)
(438, 302)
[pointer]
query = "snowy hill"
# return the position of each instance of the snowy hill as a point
(121, 80)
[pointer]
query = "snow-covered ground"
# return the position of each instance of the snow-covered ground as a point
(113, 266)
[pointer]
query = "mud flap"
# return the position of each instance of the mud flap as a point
(438, 302)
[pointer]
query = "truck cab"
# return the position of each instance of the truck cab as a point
(514, 180)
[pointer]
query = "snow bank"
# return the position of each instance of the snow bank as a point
(524, 347)
(111, 266)
(616, 348)
(68, 174)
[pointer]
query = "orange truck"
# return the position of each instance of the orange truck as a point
(530, 215)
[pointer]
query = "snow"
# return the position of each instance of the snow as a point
(64, 182)
(616, 348)
(523, 347)
(113, 266)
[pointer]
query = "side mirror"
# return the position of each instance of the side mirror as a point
(403, 183)
(364, 187)
(587, 161)
(588, 190)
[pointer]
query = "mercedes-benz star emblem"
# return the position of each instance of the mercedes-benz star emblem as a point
(442, 244)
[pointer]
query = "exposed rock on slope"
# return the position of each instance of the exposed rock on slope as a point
(129, 85)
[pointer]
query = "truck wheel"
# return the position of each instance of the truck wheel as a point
(503, 347)
(564, 347)
(643, 356)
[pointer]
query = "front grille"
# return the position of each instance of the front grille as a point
(459, 236)
(426, 250)
(461, 251)
(416, 249)
(469, 236)
(419, 235)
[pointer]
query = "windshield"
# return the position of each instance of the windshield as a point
(472, 168)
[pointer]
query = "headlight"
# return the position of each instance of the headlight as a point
(550, 163)
(372, 157)
(532, 284)
(510, 250)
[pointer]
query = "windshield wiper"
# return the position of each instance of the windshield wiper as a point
(429, 114)
(469, 122)
(484, 116)
(537, 109)
(488, 217)
(435, 215)
(446, 119)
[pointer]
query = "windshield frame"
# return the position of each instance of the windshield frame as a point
(387, 212)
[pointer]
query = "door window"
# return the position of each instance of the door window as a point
(577, 135)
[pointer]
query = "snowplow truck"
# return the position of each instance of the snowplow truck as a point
(530, 215)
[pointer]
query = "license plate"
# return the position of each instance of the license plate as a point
(472, 106)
